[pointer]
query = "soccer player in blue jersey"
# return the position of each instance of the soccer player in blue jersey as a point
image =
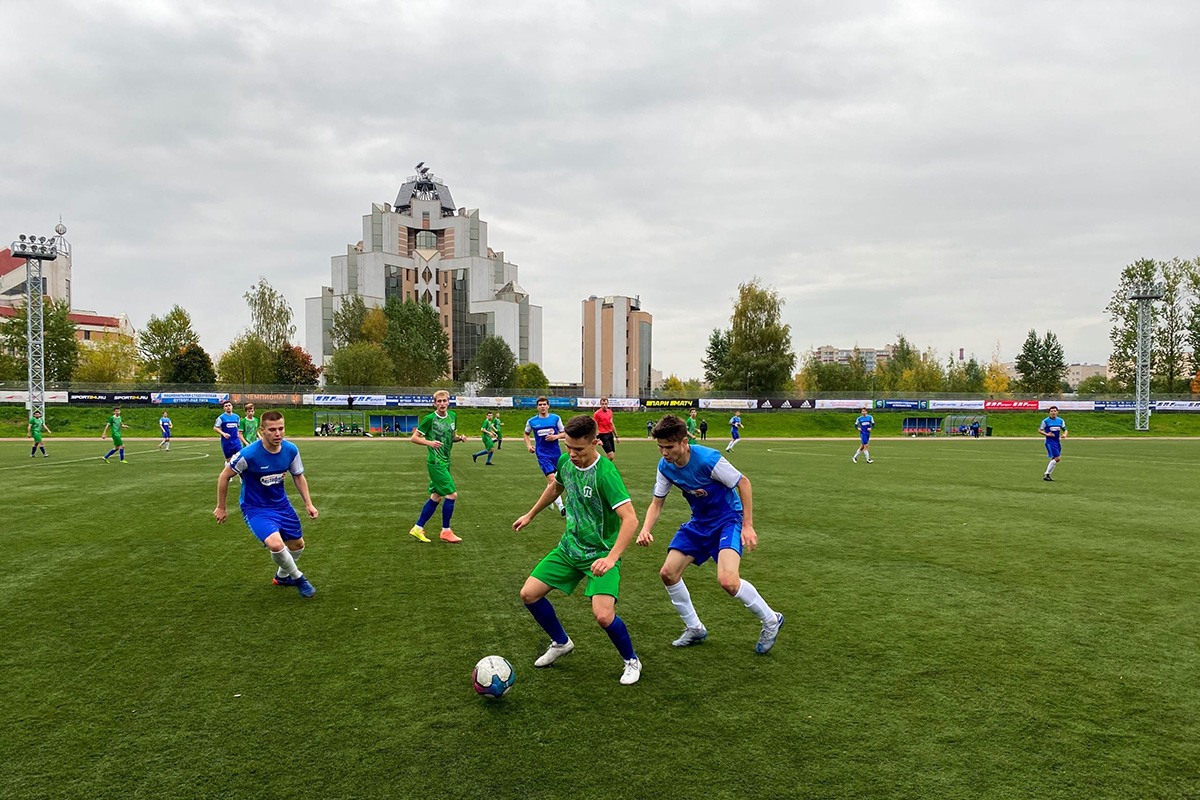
(864, 424)
(227, 426)
(265, 506)
(735, 435)
(1053, 428)
(547, 430)
(722, 525)
(164, 422)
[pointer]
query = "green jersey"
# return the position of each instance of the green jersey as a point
(439, 429)
(691, 428)
(592, 496)
(35, 426)
(249, 428)
(114, 422)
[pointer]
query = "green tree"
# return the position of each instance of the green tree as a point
(248, 361)
(107, 361)
(416, 343)
(1123, 313)
(889, 372)
(12, 368)
(531, 378)
(190, 365)
(1041, 364)
(974, 375)
(58, 331)
(270, 315)
(1093, 384)
(349, 320)
(759, 357)
(1176, 320)
(162, 337)
(295, 367)
(672, 386)
(360, 364)
(1028, 363)
(494, 365)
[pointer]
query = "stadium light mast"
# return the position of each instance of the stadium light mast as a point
(35, 250)
(1144, 294)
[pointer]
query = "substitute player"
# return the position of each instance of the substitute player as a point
(547, 430)
(35, 429)
(248, 426)
(604, 427)
(115, 425)
(1053, 428)
(863, 424)
(438, 432)
(264, 501)
(722, 524)
(487, 431)
(600, 524)
(735, 431)
(227, 426)
(164, 422)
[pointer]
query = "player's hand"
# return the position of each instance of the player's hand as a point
(224, 435)
(645, 538)
(311, 510)
(602, 565)
(749, 538)
(531, 449)
(521, 522)
(220, 514)
(435, 445)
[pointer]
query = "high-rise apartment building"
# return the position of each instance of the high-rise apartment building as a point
(423, 248)
(616, 347)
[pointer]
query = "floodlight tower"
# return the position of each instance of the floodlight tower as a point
(1144, 294)
(35, 250)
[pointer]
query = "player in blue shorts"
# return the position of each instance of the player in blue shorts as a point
(227, 426)
(265, 506)
(546, 429)
(164, 422)
(722, 524)
(1053, 428)
(735, 435)
(864, 424)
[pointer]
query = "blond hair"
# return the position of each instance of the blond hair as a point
(441, 393)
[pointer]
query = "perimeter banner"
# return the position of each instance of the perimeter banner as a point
(902, 405)
(1118, 405)
(843, 404)
(668, 402)
(1176, 405)
(615, 403)
(966, 405)
(555, 402)
(1010, 405)
(23, 397)
(786, 404)
(481, 402)
(721, 402)
(133, 398)
(188, 398)
(1068, 405)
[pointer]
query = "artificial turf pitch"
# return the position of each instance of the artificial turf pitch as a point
(956, 627)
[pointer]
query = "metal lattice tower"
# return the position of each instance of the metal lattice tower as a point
(35, 250)
(1144, 294)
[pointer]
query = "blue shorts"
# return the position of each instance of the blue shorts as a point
(265, 521)
(1053, 448)
(547, 464)
(865, 436)
(166, 434)
(230, 450)
(733, 432)
(703, 543)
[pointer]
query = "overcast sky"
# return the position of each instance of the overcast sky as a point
(957, 171)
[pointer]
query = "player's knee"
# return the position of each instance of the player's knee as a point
(604, 616)
(529, 595)
(452, 496)
(730, 582)
(437, 498)
(669, 576)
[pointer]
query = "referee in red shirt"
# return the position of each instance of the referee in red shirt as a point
(604, 429)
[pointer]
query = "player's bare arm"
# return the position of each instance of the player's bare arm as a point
(749, 537)
(223, 493)
(104, 433)
(551, 493)
(418, 438)
(302, 487)
(629, 523)
(652, 513)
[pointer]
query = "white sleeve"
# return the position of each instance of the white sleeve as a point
(238, 464)
(726, 474)
(296, 467)
(662, 486)
(528, 429)
(560, 428)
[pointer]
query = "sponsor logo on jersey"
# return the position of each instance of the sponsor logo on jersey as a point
(271, 480)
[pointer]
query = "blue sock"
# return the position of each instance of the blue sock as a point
(110, 452)
(620, 637)
(122, 453)
(543, 612)
(33, 451)
(489, 452)
(477, 455)
(42, 448)
(426, 512)
(447, 512)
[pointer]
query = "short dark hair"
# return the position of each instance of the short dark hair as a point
(543, 399)
(1052, 408)
(670, 428)
(581, 427)
(270, 416)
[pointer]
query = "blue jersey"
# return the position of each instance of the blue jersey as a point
(263, 473)
(865, 423)
(1053, 426)
(540, 428)
(165, 422)
(228, 423)
(707, 481)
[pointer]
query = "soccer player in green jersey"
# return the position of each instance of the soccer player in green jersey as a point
(499, 427)
(114, 423)
(692, 430)
(248, 426)
(37, 426)
(488, 429)
(437, 431)
(600, 524)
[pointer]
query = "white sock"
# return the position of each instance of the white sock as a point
(558, 503)
(286, 563)
(295, 557)
(753, 601)
(681, 598)
(1050, 468)
(855, 456)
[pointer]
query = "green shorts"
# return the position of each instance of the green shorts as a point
(37, 440)
(562, 572)
(118, 441)
(440, 481)
(488, 444)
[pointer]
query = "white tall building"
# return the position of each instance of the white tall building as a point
(424, 248)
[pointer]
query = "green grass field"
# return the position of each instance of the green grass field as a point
(956, 627)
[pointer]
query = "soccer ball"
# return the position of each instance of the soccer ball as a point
(493, 676)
